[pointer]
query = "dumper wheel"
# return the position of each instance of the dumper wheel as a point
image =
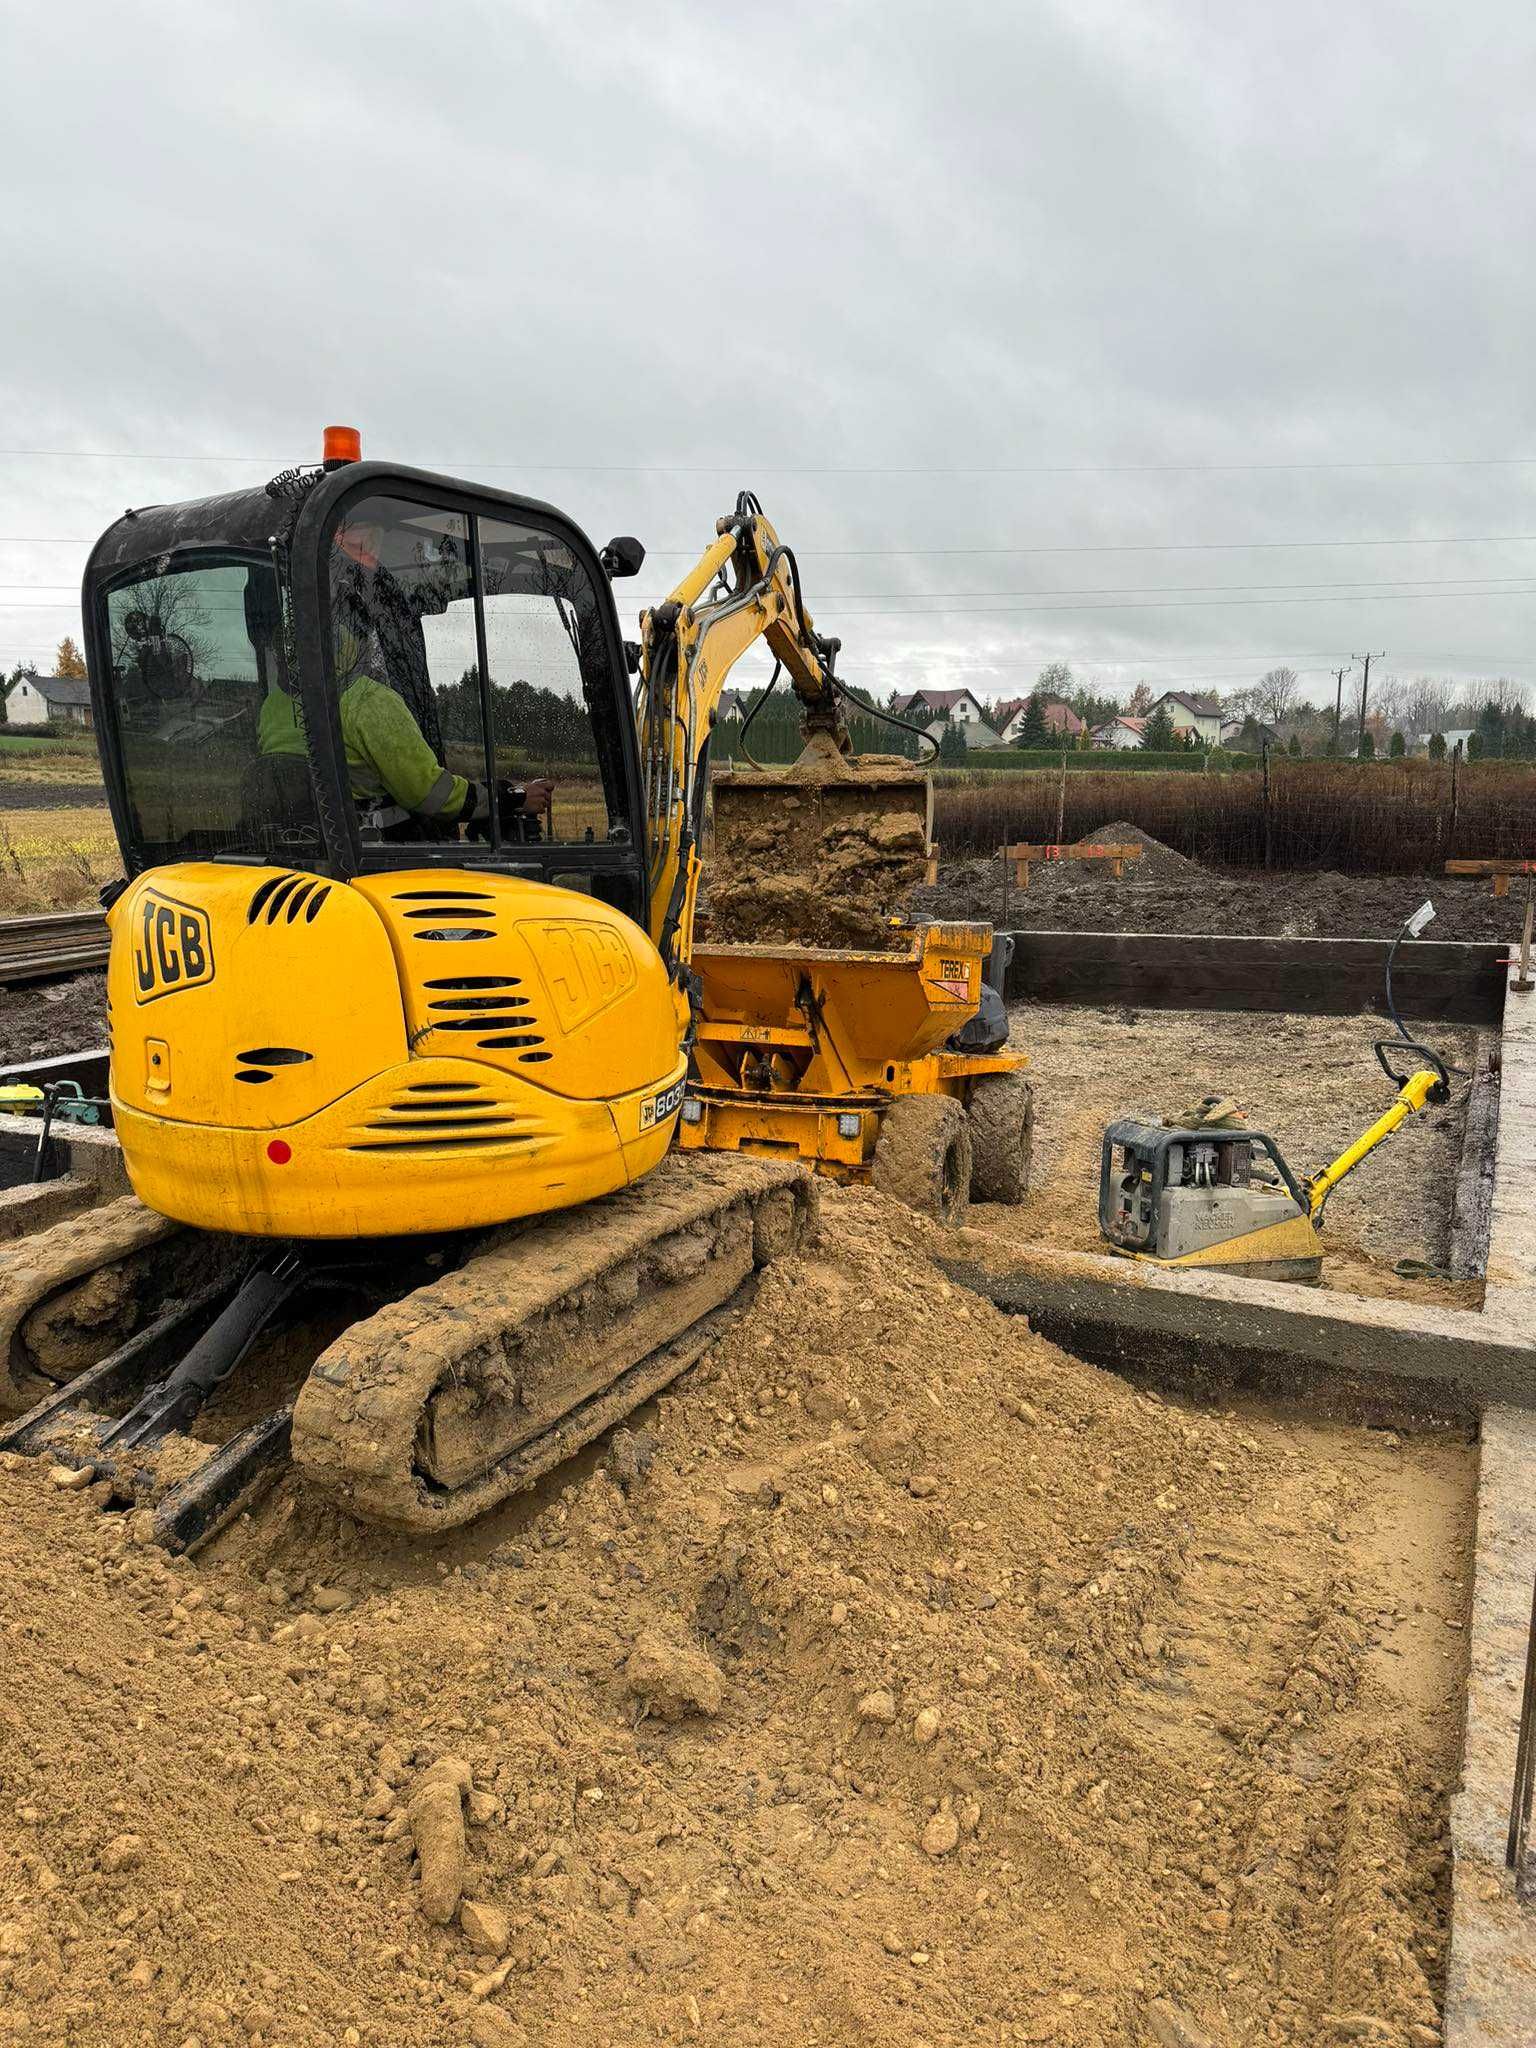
(923, 1156)
(1002, 1117)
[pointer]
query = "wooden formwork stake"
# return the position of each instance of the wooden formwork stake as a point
(1500, 870)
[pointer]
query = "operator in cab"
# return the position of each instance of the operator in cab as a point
(400, 785)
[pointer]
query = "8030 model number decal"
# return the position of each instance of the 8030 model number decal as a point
(660, 1107)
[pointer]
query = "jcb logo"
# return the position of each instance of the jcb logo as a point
(172, 947)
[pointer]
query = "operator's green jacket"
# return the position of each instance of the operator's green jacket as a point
(388, 761)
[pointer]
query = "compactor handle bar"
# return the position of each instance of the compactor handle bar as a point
(1441, 1087)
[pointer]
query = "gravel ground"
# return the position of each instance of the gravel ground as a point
(53, 1017)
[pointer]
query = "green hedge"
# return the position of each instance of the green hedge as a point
(1099, 760)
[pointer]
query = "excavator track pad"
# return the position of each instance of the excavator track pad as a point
(439, 1405)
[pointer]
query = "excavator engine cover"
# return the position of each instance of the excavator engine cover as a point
(409, 1052)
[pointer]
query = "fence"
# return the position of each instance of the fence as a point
(1401, 817)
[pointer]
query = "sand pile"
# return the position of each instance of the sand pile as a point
(902, 1681)
(823, 856)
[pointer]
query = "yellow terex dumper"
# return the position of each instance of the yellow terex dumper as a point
(399, 1042)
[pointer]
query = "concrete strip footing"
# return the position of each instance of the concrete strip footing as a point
(86, 1151)
(1511, 1287)
(27, 1208)
(1491, 1988)
(1154, 1322)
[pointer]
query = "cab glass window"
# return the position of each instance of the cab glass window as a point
(404, 669)
(553, 717)
(198, 687)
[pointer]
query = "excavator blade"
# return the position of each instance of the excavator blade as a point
(822, 853)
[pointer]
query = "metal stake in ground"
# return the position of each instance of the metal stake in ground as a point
(1522, 983)
(1525, 1766)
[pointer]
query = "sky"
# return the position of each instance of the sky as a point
(1172, 341)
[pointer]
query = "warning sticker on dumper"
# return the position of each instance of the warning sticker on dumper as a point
(658, 1108)
(952, 980)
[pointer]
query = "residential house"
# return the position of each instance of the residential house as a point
(1232, 731)
(1454, 736)
(49, 700)
(1060, 719)
(1201, 716)
(1118, 734)
(958, 706)
(974, 731)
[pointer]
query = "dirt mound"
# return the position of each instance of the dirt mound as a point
(1156, 863)
(900, 1680)
(55, 1017)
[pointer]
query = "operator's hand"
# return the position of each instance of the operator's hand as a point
(536, 795)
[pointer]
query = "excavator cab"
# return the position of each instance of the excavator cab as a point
(381, 963)
(226, 634)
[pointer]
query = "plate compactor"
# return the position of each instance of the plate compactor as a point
(1211, 1192)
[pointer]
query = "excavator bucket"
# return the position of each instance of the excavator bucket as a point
(822, 853)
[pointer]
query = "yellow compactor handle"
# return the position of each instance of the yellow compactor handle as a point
(1412, 1096)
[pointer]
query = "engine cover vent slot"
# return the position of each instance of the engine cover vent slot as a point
(452, 910)
(274, 1056)
(479, 1003)
(462, 1143)
(477, 981)
(498, 1044)
(264, 894)
(479, 1023)
(446, 1123)
(454, 932)
(442, 896)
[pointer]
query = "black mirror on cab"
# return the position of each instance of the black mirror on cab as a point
(622, 557)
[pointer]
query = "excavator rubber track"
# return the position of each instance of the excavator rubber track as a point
(423, 1413)
(71, 1293)
(429, 1412)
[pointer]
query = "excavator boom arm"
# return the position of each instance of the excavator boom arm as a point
(745, 587)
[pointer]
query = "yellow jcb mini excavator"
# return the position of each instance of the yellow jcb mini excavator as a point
(372, 1000)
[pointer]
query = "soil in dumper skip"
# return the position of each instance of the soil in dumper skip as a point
(903, 1681)
(819, 855)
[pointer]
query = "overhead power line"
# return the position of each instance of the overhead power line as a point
(997, 611)
(1365, 584)
(1135, 547)
(477, 463)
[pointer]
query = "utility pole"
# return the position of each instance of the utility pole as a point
(1338, 706)
(1365, 685)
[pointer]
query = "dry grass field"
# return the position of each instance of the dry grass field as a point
(54, 859)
